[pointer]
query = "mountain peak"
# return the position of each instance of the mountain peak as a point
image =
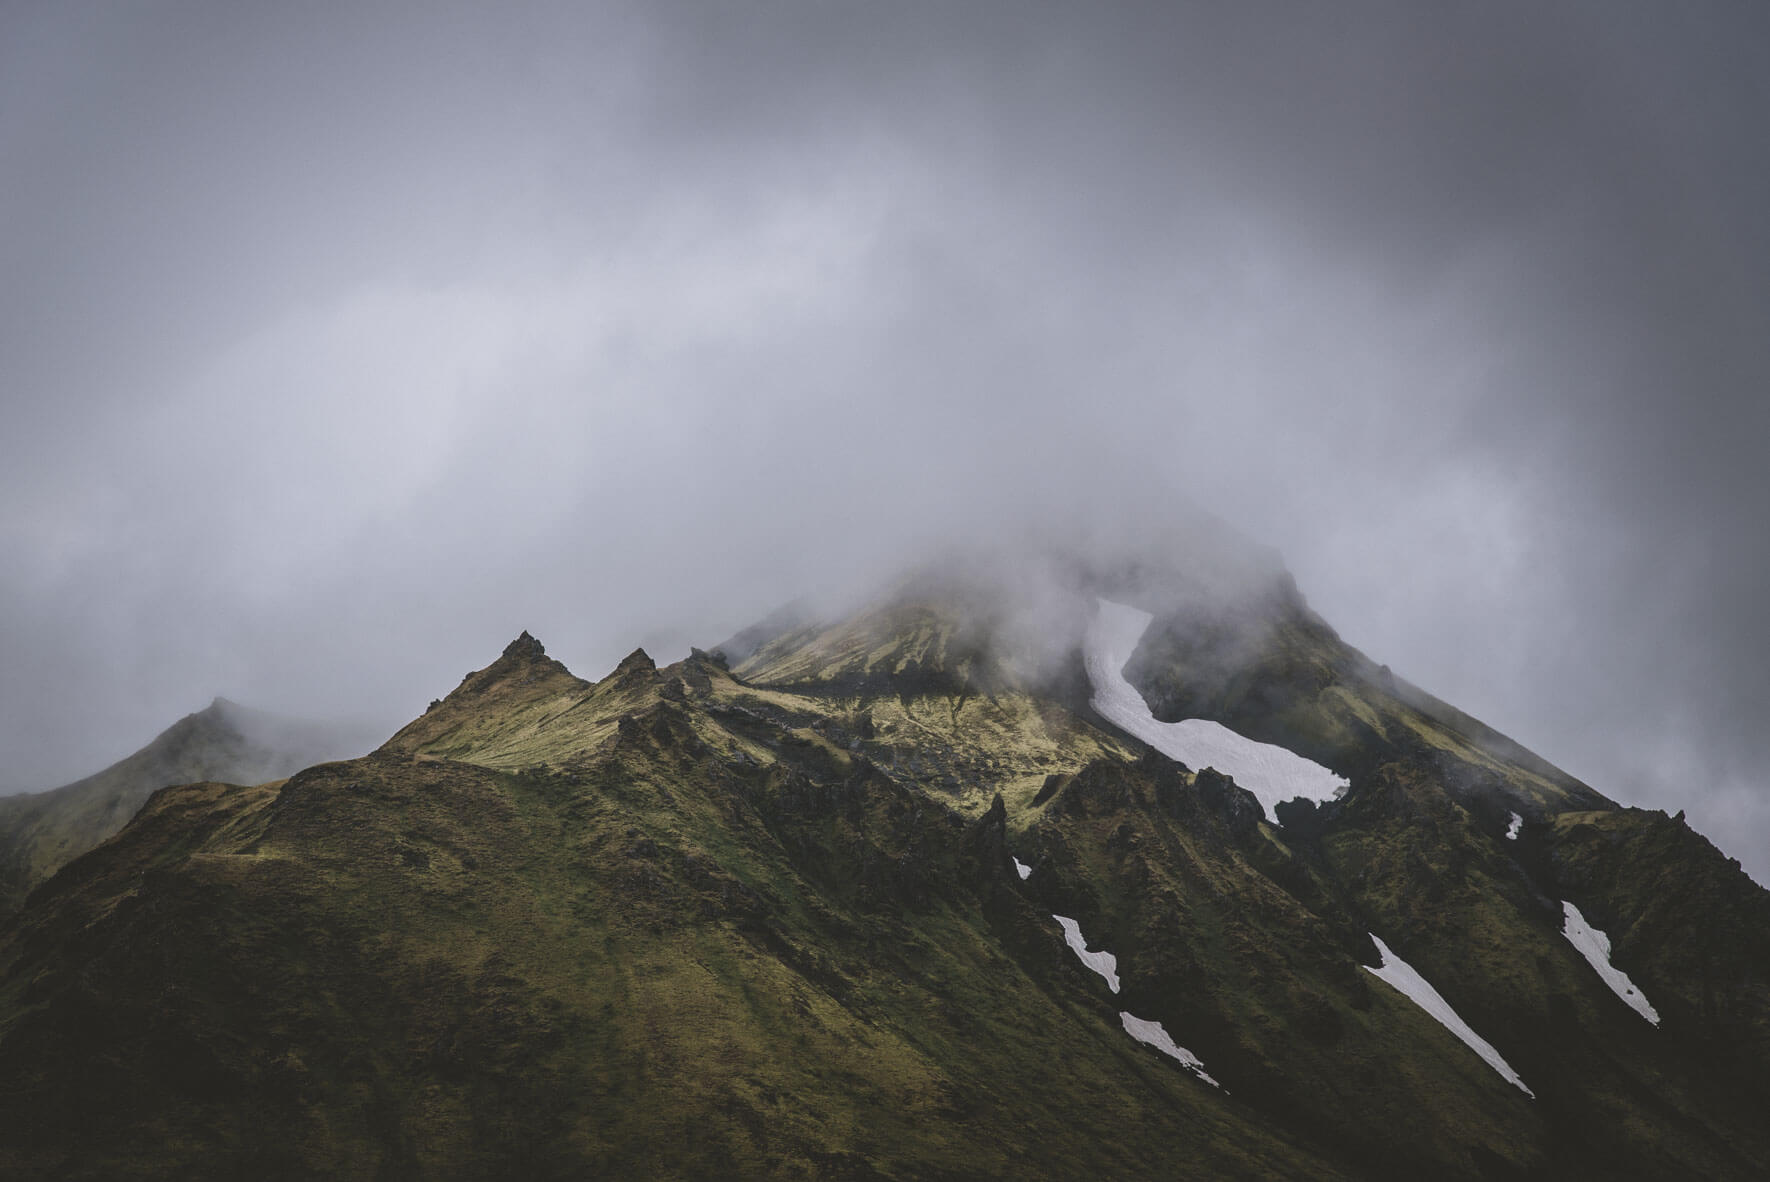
(521, 676)
(219, 710)
(524, 661)
(525, 647)
(637, 659)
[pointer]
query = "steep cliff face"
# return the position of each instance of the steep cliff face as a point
(889, 895)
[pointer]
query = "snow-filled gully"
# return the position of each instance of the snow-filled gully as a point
(1143, 1030)
(1401, 976)
(1270, 772)
(1273, 775)
(1594, 945)
(1152, 1034)
(1104, 963)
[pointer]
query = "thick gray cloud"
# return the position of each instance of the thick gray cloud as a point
(336, 349)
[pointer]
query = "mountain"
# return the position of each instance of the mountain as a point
(40, 832)
(925, 889)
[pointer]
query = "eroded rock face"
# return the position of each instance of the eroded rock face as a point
(524, 648)
(1238, 807)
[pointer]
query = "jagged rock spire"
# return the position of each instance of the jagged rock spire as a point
(525, 647)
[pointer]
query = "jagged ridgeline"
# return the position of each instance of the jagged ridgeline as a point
(790, 909)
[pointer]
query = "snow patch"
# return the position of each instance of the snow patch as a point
(1401, 976)
(1514, 827)
(1270, 772)
(1152, 1034)
(1107, 965)
(1104, 963)
(1022, 869)
(1594, 945)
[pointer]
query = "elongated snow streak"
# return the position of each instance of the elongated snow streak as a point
(1152, 1034)
(1594, 945)
(1107, 965)
(1270, 772)
(1022, 869)
(1401, 975)
(1514, 827)
(1104, 963)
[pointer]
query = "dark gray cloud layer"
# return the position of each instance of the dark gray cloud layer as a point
(336, 349)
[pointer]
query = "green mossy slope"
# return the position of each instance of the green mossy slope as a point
(655, 957)
(697, 921)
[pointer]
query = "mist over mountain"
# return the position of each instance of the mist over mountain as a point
(1094, 858)
(336, 348)
(1127, 590)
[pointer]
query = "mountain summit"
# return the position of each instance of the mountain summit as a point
(1067, 869)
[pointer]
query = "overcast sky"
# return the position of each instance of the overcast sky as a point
(338, 347)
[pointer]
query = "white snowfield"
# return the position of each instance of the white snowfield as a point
(1022, 869)
(1594, 945)
(1152, 1034)
(1514, 827)
(1271, 773)
(1107, 965)
(1401, 975)
(1104, 963)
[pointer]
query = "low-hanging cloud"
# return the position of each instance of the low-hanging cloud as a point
(336, 350)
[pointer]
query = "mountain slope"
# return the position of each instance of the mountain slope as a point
(680, 950)
(798, 917)
(1271, 668)
(39, 832)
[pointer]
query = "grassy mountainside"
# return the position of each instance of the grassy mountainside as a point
(765, 921)
(675, 950)
(40, 832)
(1245, 946)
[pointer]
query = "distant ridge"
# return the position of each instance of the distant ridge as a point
(41, 832)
